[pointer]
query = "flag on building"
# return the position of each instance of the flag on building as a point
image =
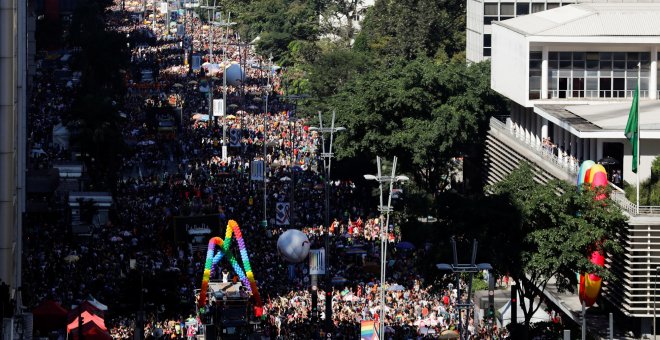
(632, 129)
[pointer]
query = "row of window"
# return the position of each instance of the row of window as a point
(591, 74)
(506, 10)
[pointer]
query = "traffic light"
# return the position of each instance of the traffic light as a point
(490, 314)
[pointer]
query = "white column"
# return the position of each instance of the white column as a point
(544, 128)
(544, 73)
(653, 75)
(560, 144)
(599, 151)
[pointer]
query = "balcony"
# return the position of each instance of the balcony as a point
(558, 165)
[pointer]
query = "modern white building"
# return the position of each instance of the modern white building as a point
(481, 14)
(340, 24)
(570, 73)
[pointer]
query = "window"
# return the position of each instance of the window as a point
(522, 8)
(491, 13)
(535, 61)
(552, 5)
(595, 74)
(487, 45)
(507, 10)
(538, 8)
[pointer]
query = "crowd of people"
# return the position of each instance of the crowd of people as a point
(179, 172)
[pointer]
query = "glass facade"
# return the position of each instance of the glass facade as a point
(590, 74)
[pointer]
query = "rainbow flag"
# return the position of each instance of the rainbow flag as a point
(368, 330)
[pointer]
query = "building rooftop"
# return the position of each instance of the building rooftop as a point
(594, 19)
(606, 120)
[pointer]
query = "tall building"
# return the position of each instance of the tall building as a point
(481, 14)
(570, 73)
(13, 76)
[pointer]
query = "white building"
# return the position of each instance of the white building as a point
(482, 13)
(339, 24)
(570, 74)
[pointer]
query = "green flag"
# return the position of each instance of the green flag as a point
(632, 128)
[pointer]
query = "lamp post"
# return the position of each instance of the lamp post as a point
(327, 162)
(384, 209)
(268, 89)
(469, 268)
(225, 25)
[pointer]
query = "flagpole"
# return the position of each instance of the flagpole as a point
(639, 72)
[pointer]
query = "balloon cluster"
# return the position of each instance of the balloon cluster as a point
(590, 283)
(213, 258)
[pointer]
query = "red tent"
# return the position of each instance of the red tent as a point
(84, 306)
(49, 316)
(87, 317)
(92, 331)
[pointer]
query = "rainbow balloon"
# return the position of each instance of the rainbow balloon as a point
(212, 258)
(596, 176)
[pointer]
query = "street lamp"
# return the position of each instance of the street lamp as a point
(384, 230)
(226, 26)
(469, 268)
(327, 162)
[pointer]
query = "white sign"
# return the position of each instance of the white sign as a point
(218, 108)
(317, 261)
(257, 170)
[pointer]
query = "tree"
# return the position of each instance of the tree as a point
(558, 227)
(424, 112)
(416, 28)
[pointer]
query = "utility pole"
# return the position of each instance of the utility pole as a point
(327, 162)
(384, 209)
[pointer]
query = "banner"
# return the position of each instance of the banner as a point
(257, 170)
(368, 330)
(218, 108)
(196, 62)
(282, 213)
(235, 138)
(317, 261)
(195, 225)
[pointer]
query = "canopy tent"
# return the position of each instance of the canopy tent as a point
(91, 331)
(49, 316)
(96, 303)
(85, 306)
(505, 314)
(87, 317)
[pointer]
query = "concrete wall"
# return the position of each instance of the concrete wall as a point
(649, 150)
(510, 64)
(474, 42)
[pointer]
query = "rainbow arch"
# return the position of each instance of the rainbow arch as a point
(245, 273)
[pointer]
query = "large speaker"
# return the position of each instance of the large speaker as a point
(210, 332)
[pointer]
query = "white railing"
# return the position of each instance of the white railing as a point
(572, 169)
(562, 163)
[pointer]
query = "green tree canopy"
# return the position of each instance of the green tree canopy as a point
(416, 28)
(424, 112)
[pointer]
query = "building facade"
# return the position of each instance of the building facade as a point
(482, 13)
(570, 73)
